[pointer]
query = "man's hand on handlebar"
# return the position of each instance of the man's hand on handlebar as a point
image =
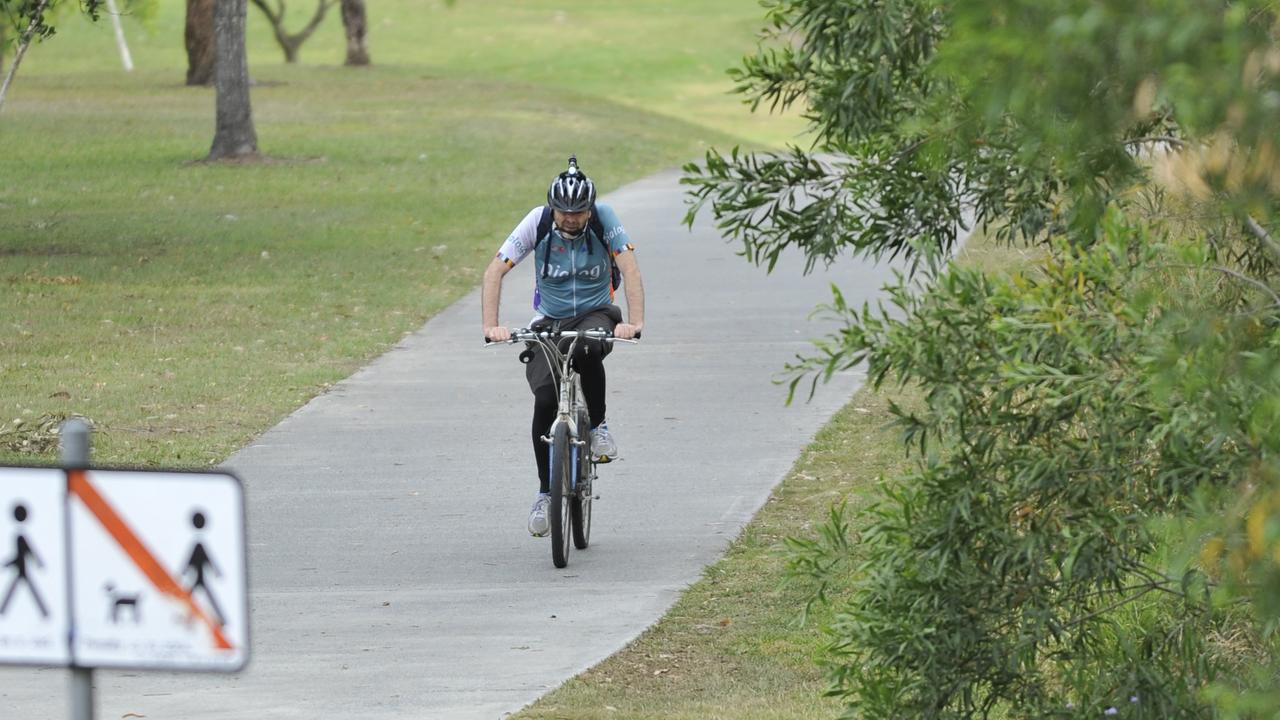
(626, 331)
(497, 333)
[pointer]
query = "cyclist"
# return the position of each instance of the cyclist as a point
(574, 262)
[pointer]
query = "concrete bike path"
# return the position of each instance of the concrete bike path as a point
(391, 572)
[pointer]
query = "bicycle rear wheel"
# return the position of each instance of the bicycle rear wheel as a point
(561, 496)
(580, 505)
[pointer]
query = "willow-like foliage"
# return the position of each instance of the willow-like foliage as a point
(1092, 527)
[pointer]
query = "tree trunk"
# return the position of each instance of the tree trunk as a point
(200, 45)
(234, 135)
(353, 20)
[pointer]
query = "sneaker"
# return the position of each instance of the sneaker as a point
(602, 445)
(538, 526)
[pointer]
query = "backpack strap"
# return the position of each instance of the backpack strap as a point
(596, 225)
(544, 229)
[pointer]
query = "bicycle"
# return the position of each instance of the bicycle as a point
(573, 467)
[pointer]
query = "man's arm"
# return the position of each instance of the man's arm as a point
(490, 295)
(633, 288)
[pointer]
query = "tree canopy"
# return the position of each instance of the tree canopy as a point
(1093, 525)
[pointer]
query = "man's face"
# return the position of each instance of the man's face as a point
(571, 223)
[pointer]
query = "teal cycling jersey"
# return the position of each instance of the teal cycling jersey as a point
(577, 277)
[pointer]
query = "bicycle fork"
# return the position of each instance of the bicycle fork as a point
(575, 441)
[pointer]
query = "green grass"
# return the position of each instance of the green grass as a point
(657, 56)
(185, 308)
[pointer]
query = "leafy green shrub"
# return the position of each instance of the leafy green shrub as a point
(1093, 526)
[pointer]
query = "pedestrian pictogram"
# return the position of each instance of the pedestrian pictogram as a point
(198, 564)
(33, 595)
(23, 555)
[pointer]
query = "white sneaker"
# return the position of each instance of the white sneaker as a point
(603, 448)
(538, 526)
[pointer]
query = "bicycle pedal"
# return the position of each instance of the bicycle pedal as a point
(602, 460)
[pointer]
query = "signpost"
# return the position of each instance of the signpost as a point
(121, 568)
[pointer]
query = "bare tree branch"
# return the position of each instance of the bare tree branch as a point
(266, 10)
(1166, 139)
(321, 9)
(291, 42)
(1275, 298)
(1264, 237)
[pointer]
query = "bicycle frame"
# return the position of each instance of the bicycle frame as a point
(570, 390)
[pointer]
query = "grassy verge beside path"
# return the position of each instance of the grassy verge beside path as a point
(186, 308)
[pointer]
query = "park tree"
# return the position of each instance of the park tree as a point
(32, 21)
(201, 55)
(356, 26)
(1092, 526)
(291, 42)
(234, 133)
(35, 20)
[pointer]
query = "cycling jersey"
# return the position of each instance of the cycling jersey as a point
(578, 277)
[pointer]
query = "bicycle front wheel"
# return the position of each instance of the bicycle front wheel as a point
(580, 505)
(561, 495)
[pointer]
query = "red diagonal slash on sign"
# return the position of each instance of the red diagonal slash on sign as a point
(80, 486)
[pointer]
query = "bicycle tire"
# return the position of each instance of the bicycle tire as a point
(561, 496)
(580, 505)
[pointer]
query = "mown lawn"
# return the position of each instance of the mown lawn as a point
(185, 308)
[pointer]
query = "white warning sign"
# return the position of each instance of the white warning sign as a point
(33, 592)
(159, 570)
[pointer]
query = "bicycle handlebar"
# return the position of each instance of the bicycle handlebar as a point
(527, 335)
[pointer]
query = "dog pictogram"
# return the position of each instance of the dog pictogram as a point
(118, 602)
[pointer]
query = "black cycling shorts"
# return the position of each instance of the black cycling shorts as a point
(540, 374)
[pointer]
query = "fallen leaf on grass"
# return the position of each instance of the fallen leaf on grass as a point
(661, 671)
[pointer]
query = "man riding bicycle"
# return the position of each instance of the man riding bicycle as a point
(579, 248)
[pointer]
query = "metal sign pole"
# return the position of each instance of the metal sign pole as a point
(73, 441)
